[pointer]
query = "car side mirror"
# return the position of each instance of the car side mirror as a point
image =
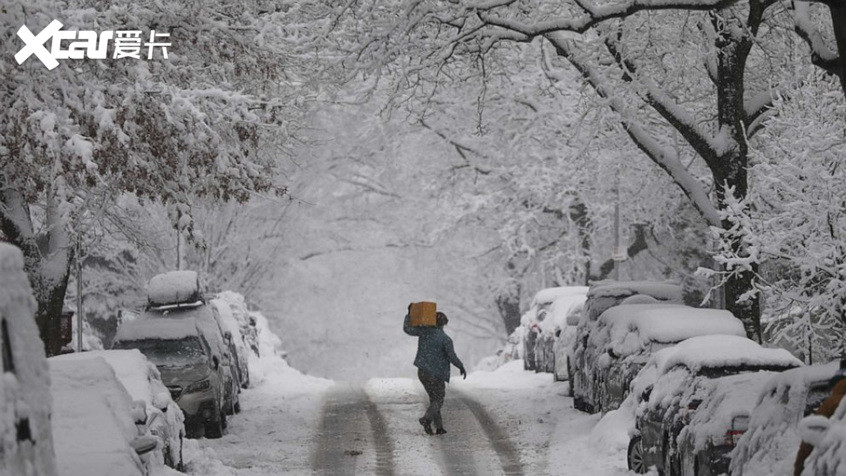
(161, 401)
(812, 429)
(144, 444)
(215, 362)
(646, 393)
(139, 412)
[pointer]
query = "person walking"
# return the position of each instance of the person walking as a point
(435, 353)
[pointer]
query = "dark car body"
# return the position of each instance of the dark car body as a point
(694, 400)
(601, 297)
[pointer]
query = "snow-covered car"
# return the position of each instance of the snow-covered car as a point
(97, 429)
(602, 296)
(246, 321)
(693, 402)
(770, 444)
(143, 382)
(177, 295)
(533, 317)
(552, 327)
(627, 335)
(559, 332)
(26, 439)
(233, 336)
(189, 366)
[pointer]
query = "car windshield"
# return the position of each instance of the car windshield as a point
(717, 372)
(168, 352)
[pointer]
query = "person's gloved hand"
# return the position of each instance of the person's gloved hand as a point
(463, 373)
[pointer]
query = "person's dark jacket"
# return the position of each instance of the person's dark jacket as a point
(434, 350)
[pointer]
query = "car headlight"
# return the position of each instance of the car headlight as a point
(195, 387)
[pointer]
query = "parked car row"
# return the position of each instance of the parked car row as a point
(538, 338)
(198, 347)
(705, 400)
(174, 371)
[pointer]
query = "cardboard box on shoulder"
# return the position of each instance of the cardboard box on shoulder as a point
(423, 314)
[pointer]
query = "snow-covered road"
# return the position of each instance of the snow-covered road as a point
(504, 422)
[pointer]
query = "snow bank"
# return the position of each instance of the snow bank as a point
(714, 351)
(173, 287)
(25, 390)
(171, 329)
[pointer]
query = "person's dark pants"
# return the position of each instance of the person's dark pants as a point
(436, 389)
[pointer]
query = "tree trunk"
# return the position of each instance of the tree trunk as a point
(47, 260)
(509, 309)
(838, 20)
(730, 168)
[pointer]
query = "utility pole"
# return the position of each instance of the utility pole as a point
(619, 254)
(79, 313)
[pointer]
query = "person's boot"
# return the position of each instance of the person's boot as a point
(440, 431)
(427, 425)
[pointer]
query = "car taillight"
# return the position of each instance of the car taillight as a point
(739, 425)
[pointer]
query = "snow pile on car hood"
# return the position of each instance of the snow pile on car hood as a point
(548, 295)
(769, 446)
(173, 287)
(92, 423)
(634, 327)
(663, 291)
(715, 351)
(556, 317)
(171, 329)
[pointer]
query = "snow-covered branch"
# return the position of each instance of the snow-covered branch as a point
(663, 156)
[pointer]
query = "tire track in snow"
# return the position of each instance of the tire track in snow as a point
(350, 423)
(509, 457)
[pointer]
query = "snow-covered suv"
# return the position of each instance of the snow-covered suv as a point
(627, 335)
(693, 402)
(177, 295)
(602, 296)
(26, 440)
(190, 368)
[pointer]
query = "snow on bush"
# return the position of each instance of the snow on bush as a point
(173, 287)
(24, 383)
(770, 444)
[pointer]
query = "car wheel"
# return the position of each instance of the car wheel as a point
(555, 370)
(237, 406)
(670, 463)
(194, 430)
(214, 428)
(634, 456)
(570, 377)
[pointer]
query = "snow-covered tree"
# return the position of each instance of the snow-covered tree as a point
(210, 121)
(690, 81)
